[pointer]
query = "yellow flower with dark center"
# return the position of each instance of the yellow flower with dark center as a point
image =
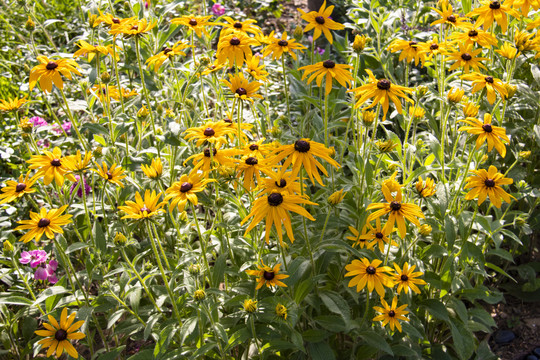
(235, 48)
(278, 46)
(281, 311)
(491, 84)
(432, 47)
(493, 10)
(212, 132)
(246, 127)
(58, 335)
(251, 166)
(280, 182)
(154, 170)
(91, 50)
(302, 153)
(46, 222)
(246, 27)
(250, 305)
(494, 135)
(330, 70)
(194, 23)
(321, 22)
(107, 19)
(391, 314)
(268, 276)
(242, 88)
(473, 35)
(398, 211)
(488, 184)
(256, 69)
(205, 159)
(447, 16)
(132, 27)
(425, 189)
(167, 54)
(214, 67)
(16, 189)
(381, 91)
(185, 190)
(48, 72)
(523, 5)
(410, 50)
(76, 163)
(257, 148)
(107, 92)
(369, 274)
(52, 166)
(357, 237)
(143, 209)
(378, 235)
(507, 50)
(111, 175)
(407, 278)
(275, 208)
(466, 58)
(12, 104)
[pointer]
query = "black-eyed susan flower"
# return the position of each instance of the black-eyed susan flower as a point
(360, 42)
(212, 132)
(194, 23)
(398, 211)
(425, 188)
(278, 46)
(494, 135)
(46, 222)
(232, 26)
(302, 153)
(205, 159)
(257, 148)
(242, 88)
(409, 50)
(470, 109)
(382, 92)
(274, 208)
(214, 67)
(366, 273)
(280, 182)
(447, 15)
(486, 184)
(525, 41)
(91, 50)
(406, 278)
(425, 229)
(386, 146)
(432, 47)
(321, 22)
(472, 35)
(250, 305)
(12, 104)
(141, 209)
(268, 276)
(489, 82)
(466, 58)
(378, 235)
(255, 68)
(235, 48)
(132, 27)
(455, 95)
(52, 166)
(507, 50)
(107, 19)
(524, 6)
(357, 237)
(58, 335)
(154, 170)
(167, 54)
(329, 70)
(49, 71)
(185, 190)
(111, 175)
(493, 10)
(77, 163)
(16, 189)
(281, 311)
(250, 167)
(391, 314)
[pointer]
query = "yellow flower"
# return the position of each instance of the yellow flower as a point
(256, 69)
(357, 237)
(336, 197)
(524, 154)
(386, 146)
(242, 88)
(46, 222)
(132, 27)
(235, 48)
(278, 46)
(281, 311)
(406, 278)
(360, 42)
(425, 230)
(417, 113)
(185, 190)
(368, 117)
(426, 189)
(455, 95)
(52, 166)
(470, 109)
(167, 54)
(112, 175)
(378, 235)
(494, 135)
(250, 306)
(58, 335)
(154, 170)
(491, 84)
(410, 50)
(524, 5)
(246, 27)
(120, 238)
(275, 208)
(107, 19)
(488, 184)
(268, 276)
(194, 23)
(507, 51)
(205, 159)
(12, 104)
(381, 91)
(48, 72)
(212, 132)
(448, 16)
(391, 314)
(143, 209)
(473, 35)
(16, 189)
(321, 22)
(525, 42)
(431, 48)
(330, 70)
(280, 182)
(251, 166)
(493, 10)
(369, 274)
(76, 163)
(91, 50)
(466, 57)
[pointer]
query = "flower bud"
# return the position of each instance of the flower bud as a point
(281, 311)
(511, 89)
(92, 19)
(336, 197)
(29, 25)
(105, 77)
(250, 306)
(417, 112)
(220, 201)
(421, 91)
(120, 238)
(298, 33)
(26, 126)
(8, 247)
(470, 109)
(360, 42)
(484, 159)
(205, 60)
(143, 112)
(275, 131)
(148, 266)
(194, 269)
(455, 95)
(368, 117)
(160, 109)
(386, 146)
(425, 229)
(199, 295)
(524, 154)
(98, 151)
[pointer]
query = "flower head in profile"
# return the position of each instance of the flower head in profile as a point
(250, 305)
(16, 189)
(321, 22)
(370, 274)
(410, 50)
(494, 135)
(360, 42)
(107, 19)
(242, 88)
(57, 336)
(336, 197)
(406, 278)
(455, 95)
(44, 223)
(486, 184)
(212, 132)
(52, 166)
(268, 276)
(12, 104)
(329, 70)
(235, 48)
(111, 175)
(493, 10)
(185, 190)
(278, 46)
(233, 26)
(154, 170)
(507, 50)
(132, 27)
(281, 311)
(77, 163)
(50, 71)
(391, 314)
(168, 53)
(141, 209)
(255, 68)
(194, 23)
(466, 58)
(205, 159)
(425, 188)
(491, 84)
(214, 67)
(91, 50)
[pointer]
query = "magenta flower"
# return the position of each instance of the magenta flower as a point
(43, 143)
(87, 187)
(34, 257)
(47, 272)
(218, 9)
(66, 126)
(38, 121)
(319, 50)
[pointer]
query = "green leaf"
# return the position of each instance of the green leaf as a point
(99, 237)
(377, 341)
(321, 351)
(112, 354)
(450, 231)
(142, 355)
(219, 269)
(462, 340)
(55, 290)
(238, 338)
(302, 290)
(315, 335)
(100, 139)
(499, 270)
(164, 339)
(336, 304)
(15, 300)
(429, 160)
(77, 246)
(402, 350)
(436, 308)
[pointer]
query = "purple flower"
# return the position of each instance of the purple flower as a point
(87, 187)
(319, 50)
(38, 121)
(66, 126)
(34, 257)
(43, 143)
(47, 272)
(218, 9)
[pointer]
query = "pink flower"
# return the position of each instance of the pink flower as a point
(43, 143)
(38, 121)
(218, 9)
(66, 126)
(47, 272)
(34, 257)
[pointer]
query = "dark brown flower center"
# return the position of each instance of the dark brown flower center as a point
(212, 67)
(56, 162)
(51, 65)
(282, 183)
(116, 20)
(109, 175)
(145, 208)
(383, 84)
(404, 277)
(319, 20)
(269, 275)
(466, 56)
(234, 41)
(413, 44)
(60, 334)
(395, 205)
(20, 187)
(434, 46)
(252, 161)
(43, 223)
(274, 199)
(489, 183)
(241, 91)
(391, 313)
(135, 27)
(253, 147)
(207, 152)
(494, 5)
(451, 18)
(283, 43)
(329, 64)
(489, 79)
(237, 25)
(192, 22)
(302, 146)
(167, 50)
(209, 132)
(487, 128)
(185, 187)
(473, 33)
(371, 270)
(228, 121)
(379, 235)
